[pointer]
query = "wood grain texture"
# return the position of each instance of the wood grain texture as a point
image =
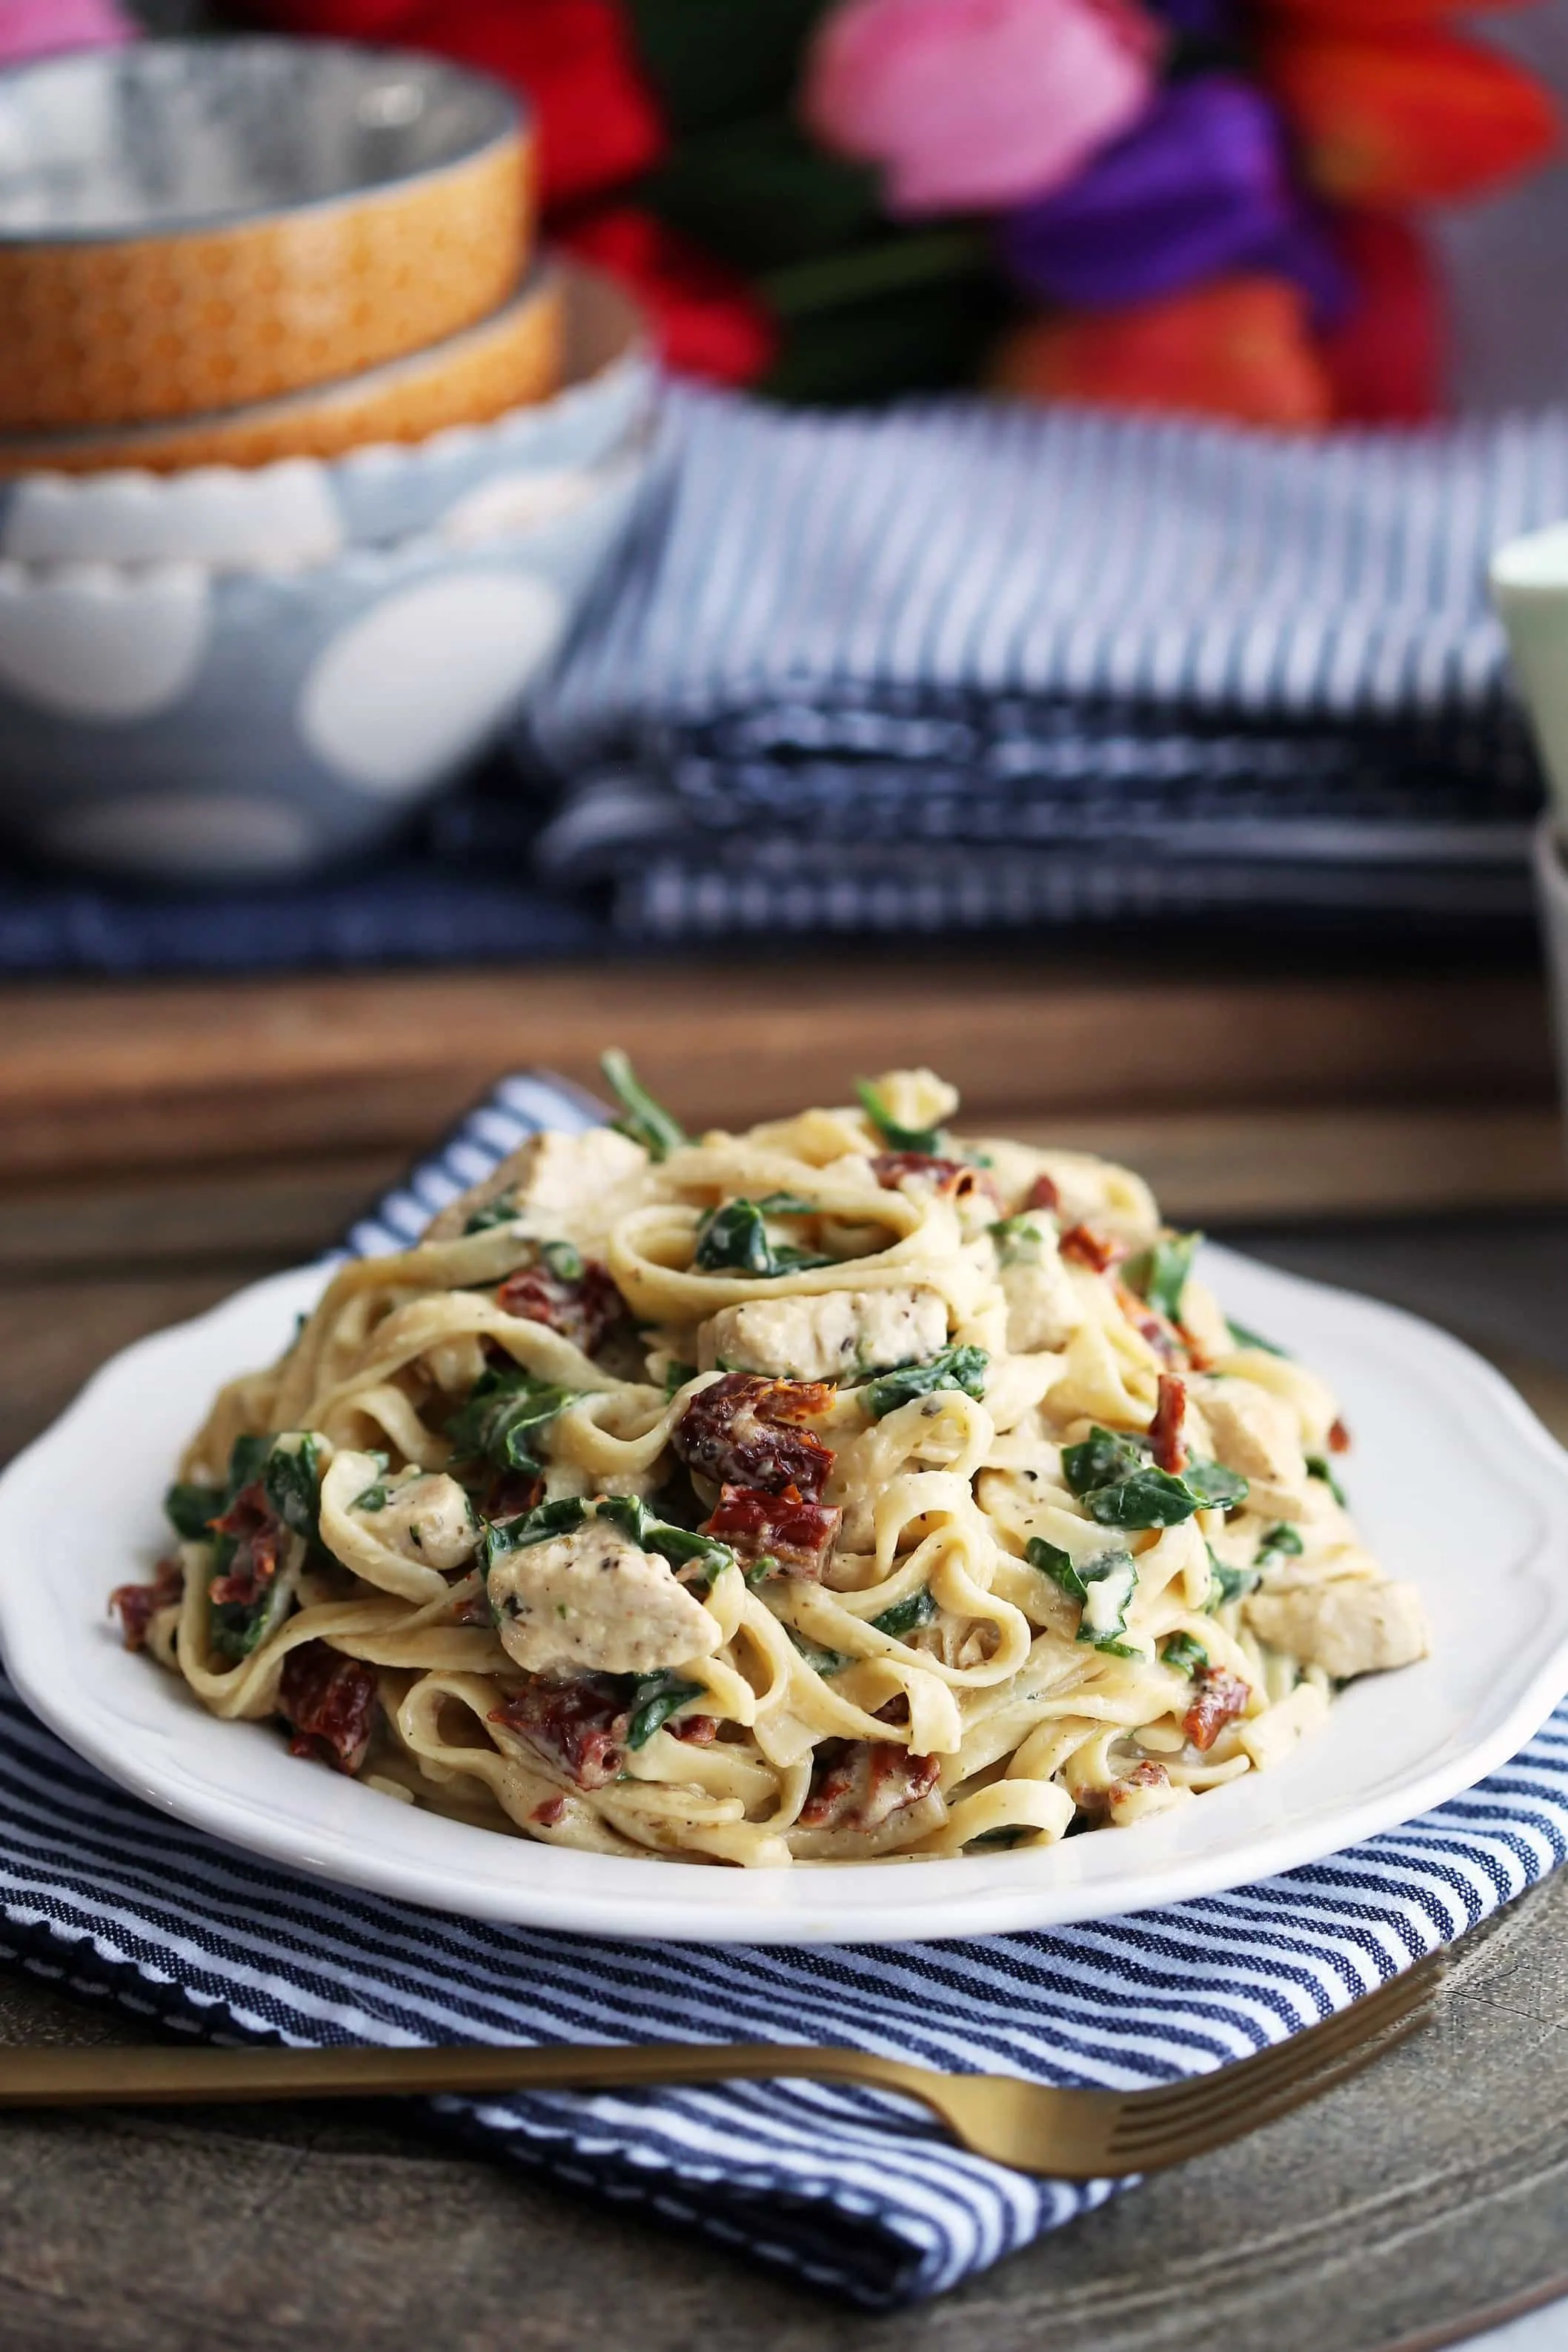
(163, 1075)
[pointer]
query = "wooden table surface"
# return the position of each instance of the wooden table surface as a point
(1429, 2192)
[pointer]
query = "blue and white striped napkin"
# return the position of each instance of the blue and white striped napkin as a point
(964, 663)
(852, 2191)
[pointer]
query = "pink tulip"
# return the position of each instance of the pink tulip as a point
(32, 29)
(969, 105)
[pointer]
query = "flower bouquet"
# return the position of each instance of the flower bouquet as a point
(1208, 206)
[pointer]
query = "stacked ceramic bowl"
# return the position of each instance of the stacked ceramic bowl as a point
(306, 460)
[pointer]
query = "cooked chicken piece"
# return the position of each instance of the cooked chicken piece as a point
(833, 1336)
(566, 1186)
(593, 1598)
(1347, 1627)
(427, 1518)
(1043, 1307)
(1257, 1434)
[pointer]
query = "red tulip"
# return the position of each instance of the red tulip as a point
(1238, 348)
(1414, 118)
(706, 321)
(1385, 358)
(598, 121)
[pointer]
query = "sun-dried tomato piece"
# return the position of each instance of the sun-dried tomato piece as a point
(511, 1493)
(955, 1179)
(138, 1604)
(797, 1534)
(1166, 1431)
(697, 1730)
(550, 1814)
(582, 1308)
(858, 1784)
(1339, 1438)
(578, 1723)
(260, 1541)
(1043, 1194)
(742, 1430)
(329, 1700)
(1219, 1697)
(1086, 1246)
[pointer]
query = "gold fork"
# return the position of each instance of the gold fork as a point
(1070, 2135)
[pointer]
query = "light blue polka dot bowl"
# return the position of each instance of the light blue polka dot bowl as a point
(176, 720)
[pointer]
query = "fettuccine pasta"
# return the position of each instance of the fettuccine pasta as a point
(844, 1489)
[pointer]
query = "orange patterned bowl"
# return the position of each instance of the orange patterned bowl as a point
(191, 225)
(509, 361)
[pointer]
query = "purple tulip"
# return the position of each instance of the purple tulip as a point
(1201, 187)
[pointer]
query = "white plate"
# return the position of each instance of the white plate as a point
(1454, 1482)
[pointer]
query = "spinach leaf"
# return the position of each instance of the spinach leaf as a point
(1122, 1488)
(676, 1376)
(997, 1841)
(1319, 1466)
(906, 1617)
(735, 1239)
(788, 1204)
(682, 1547)
(565, 1262)
(505, 1417)
(1214, 1487)
(1105, 1586)
(821, 1662)
(1163, 1499)
(246, 1461)
(953, 1368)
(373, 1499)
(929, 1141)
(1158, 1274)
(538, 1526)
(292, 1481)
(1283, 1542)
(1246, 1339)
(1052, 1561)
(655, 1698)
(502, 1211)
(645, 1121)
(1099, 1460)
(1187, 1657)
(1226, 1584)
(236, 1630)
(189, 1509)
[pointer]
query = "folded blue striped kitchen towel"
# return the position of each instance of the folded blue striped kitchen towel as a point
(853, 664)
(850, 2189)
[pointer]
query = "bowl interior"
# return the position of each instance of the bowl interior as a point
(178, 134)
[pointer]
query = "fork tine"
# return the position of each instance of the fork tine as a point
(1232, 2107)
(1313, 2046)
(1181, 2145)
(1233, 2092)
(1229, 2099)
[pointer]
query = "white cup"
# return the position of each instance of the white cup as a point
(1530, 588)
